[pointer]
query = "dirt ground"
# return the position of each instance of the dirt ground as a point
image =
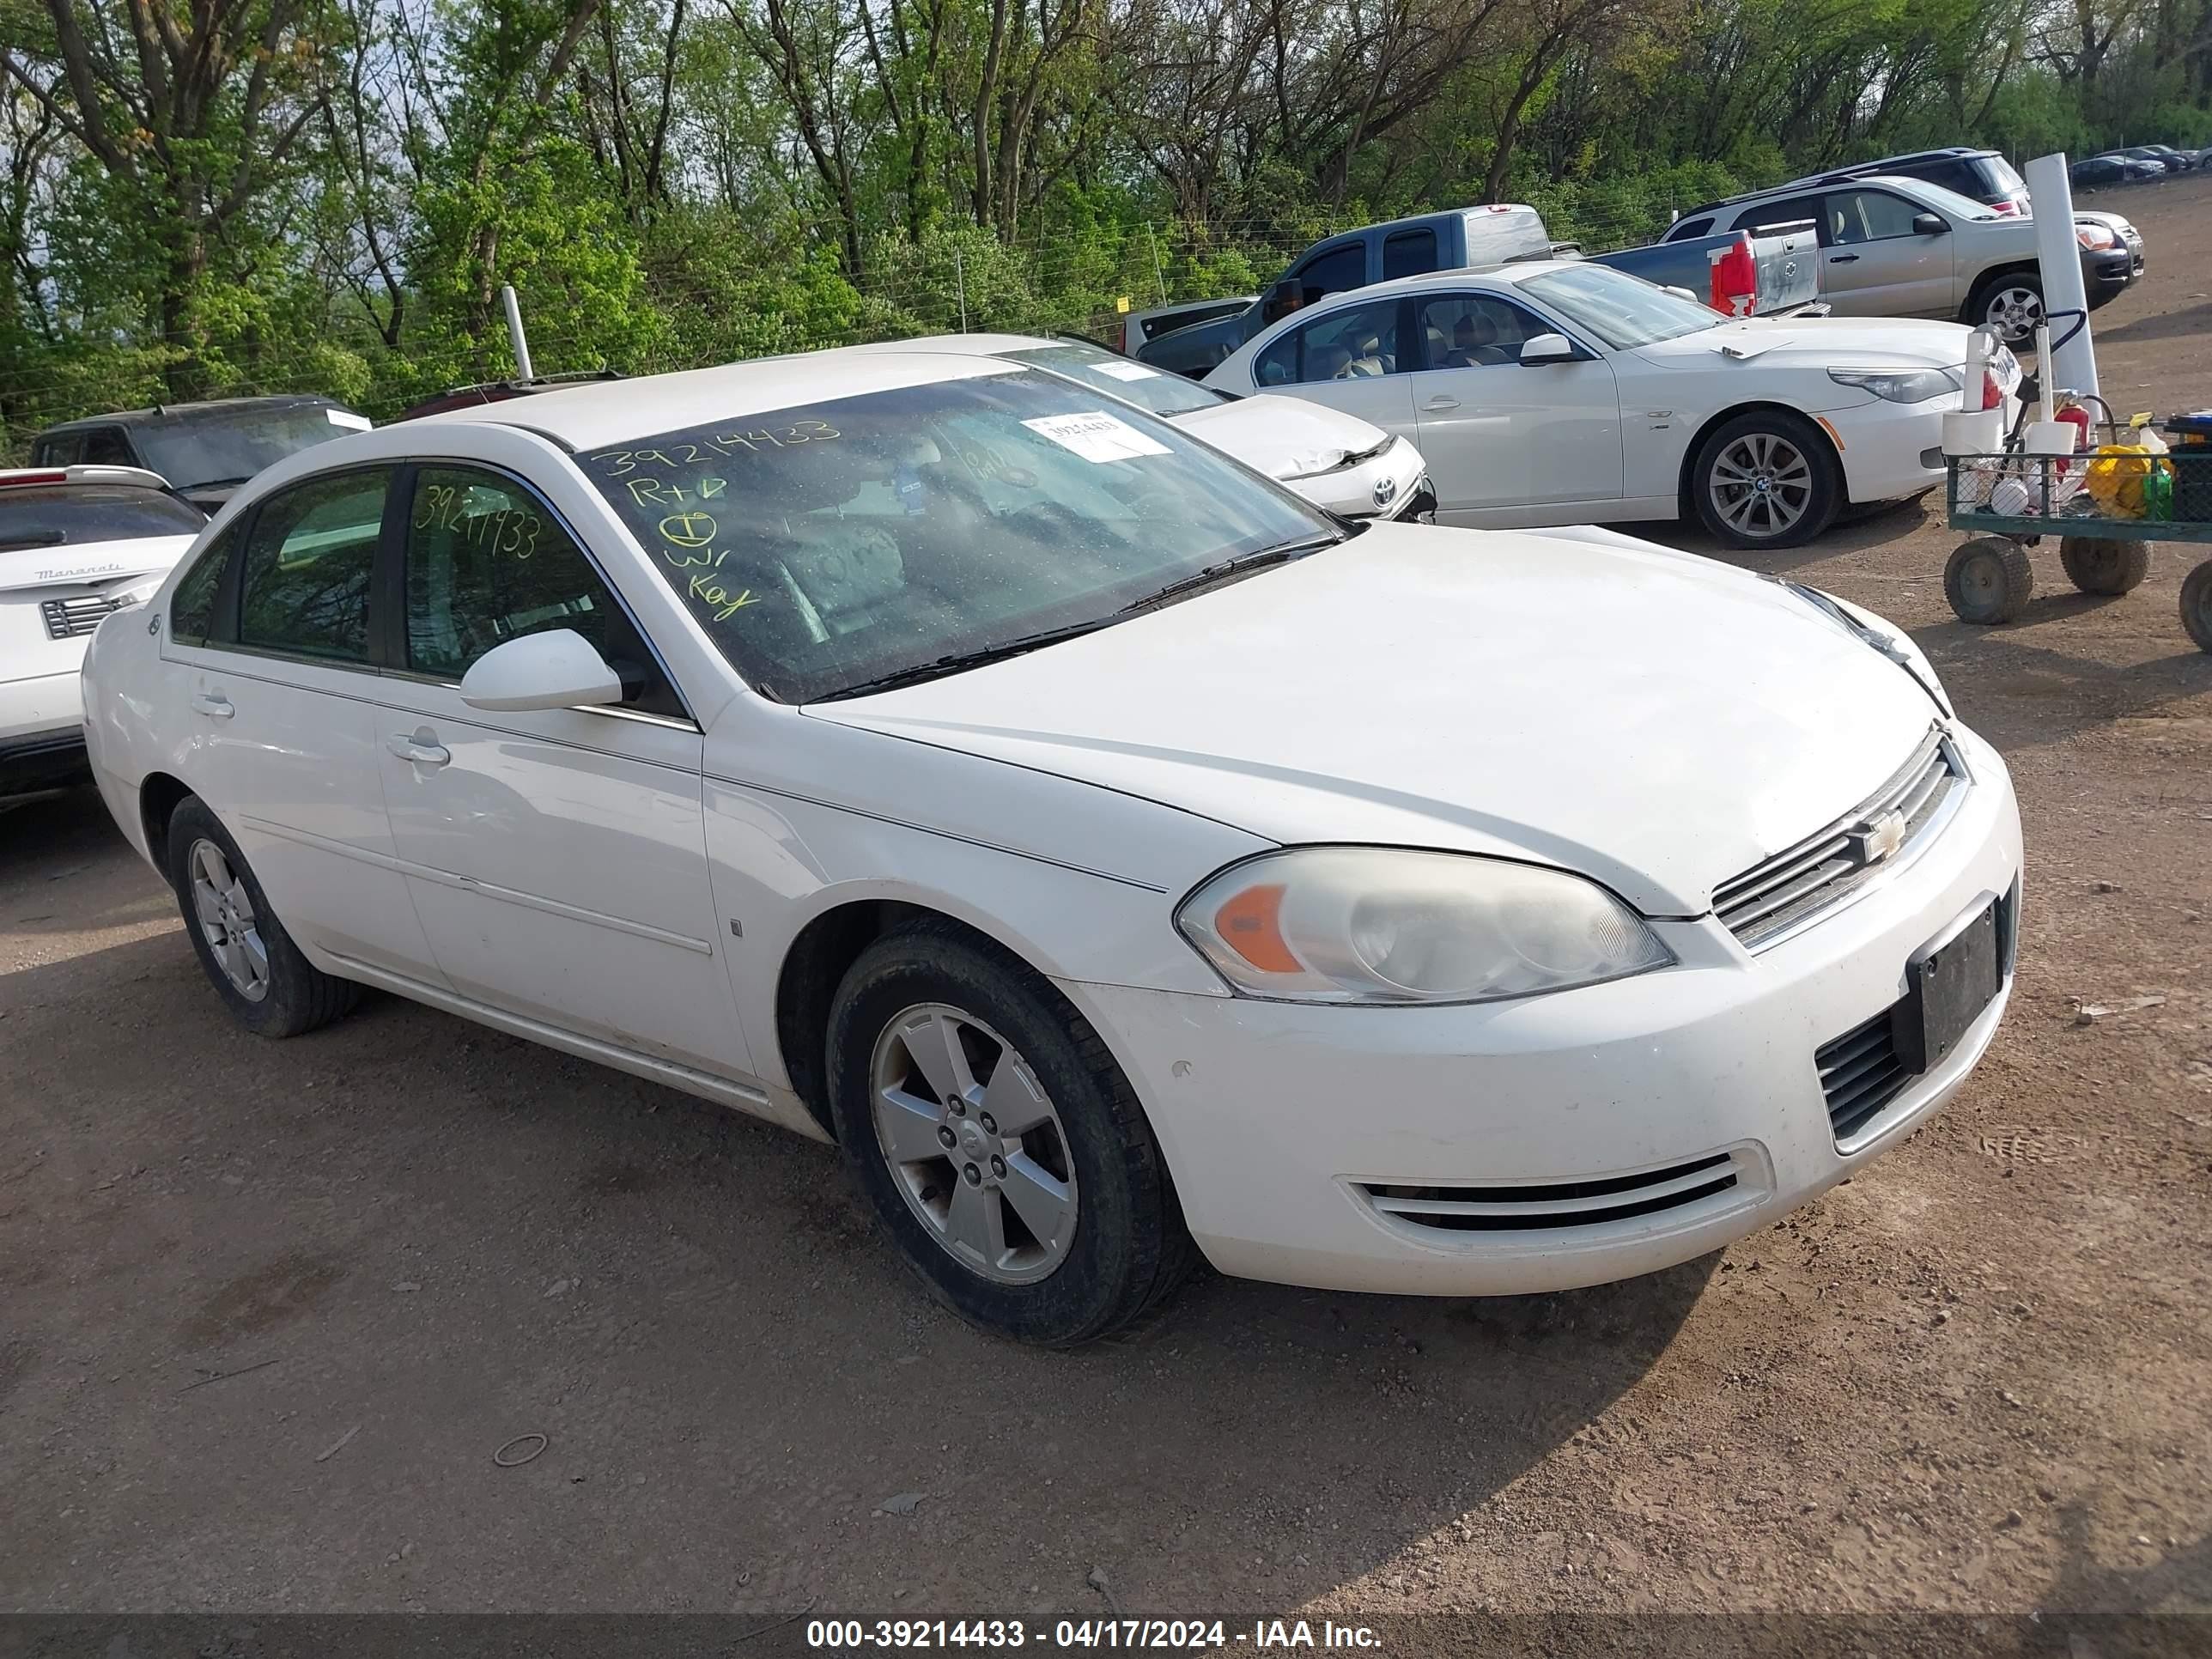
(266, 1310)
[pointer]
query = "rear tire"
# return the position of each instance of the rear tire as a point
(2196, 604)
(1988, 580)
(1057, 1233)
(2101, 564)
(270, 987)
(1766, 478)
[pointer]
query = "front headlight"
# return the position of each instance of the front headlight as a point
(1390, 925)
(2095, 238)
(1900, 386)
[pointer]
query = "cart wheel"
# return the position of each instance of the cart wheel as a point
(2196, 604)
(2099, 564)
(1988, 580)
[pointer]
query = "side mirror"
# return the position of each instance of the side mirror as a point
(1930, 224)
(557, 669)
(1546, 348)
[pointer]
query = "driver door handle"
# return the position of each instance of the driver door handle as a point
(213, 704)
(418, 747)
(1439, 404)
(1842, 258)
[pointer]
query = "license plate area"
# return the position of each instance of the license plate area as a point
(1947, 985)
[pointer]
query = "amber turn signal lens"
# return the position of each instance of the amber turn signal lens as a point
(1249, 924)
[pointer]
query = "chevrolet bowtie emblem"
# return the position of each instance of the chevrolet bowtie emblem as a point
(1877, 838)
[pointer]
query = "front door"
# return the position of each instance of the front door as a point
(1873, 264)
(1348, 358)
(557, 858)
(275, 651)
(1503, 439)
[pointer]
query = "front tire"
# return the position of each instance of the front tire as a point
(2011, 303)
(2196, 604)
(271, 988)
(2101, 564)
(1988, 580)
(997, 1142)
(1766, 478)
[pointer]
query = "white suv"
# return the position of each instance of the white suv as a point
(76, 544)
(1893, 247)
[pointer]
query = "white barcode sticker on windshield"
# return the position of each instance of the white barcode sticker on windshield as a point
(1128, 371)
(348, 419)
(1096, 436)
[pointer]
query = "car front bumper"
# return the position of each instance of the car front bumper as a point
(1384, 486)
(1284, 1124)
(1890, 451)
(2106, 275)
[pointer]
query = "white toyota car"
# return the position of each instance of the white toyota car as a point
(75, 543)
(1108, 851)
(1334, 460)
(1560, 392)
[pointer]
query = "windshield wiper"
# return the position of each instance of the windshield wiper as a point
(958, 661)
(214, 483)
(1025, 643)
(1214, 573)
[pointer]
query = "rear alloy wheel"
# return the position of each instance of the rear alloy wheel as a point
(270, 986)
(2101, 564)
(2012, 305)
(1766, 480)
(2196, 604)
(1988, 580)
(997, 1142)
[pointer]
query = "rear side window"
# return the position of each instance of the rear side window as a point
(73, 514)
(106, 447)
(487, 562)
(1688, 229)
(192, 607)
(1409, 253)
(304, 589)
(1355, 343)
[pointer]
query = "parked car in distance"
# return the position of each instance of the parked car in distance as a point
(493, 391)
(204, 450)
(2095, 171)
(1138, 327)
(1979, 175)
(2142, 163)
(1562, 392)
(1335, 460)
(76, 544)
(1773, 274)
(1893, 247)
(1006, 831)
(2177, 161)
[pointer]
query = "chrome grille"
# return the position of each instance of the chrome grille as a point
(1820, 870)
(1526, 1207)
(68, 619)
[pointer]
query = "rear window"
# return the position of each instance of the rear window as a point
(2001, 175)
(74, 515)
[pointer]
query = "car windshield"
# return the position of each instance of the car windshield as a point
(1623, 311)
(1952, 205)
(76, 514)
(195, 448)
(1149, 388)
(830, 546)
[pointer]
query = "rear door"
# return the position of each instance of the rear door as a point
(557, 858)
(280, 670)
(1349, 358)
(1499, 436)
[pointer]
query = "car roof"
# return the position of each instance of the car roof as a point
(1510, 271)
(606, 412)
(971, 345)
(171, 411)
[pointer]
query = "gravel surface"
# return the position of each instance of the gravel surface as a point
(267, 1311)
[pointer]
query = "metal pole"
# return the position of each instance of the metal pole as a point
(1158, 276)
(960, 280)
(514, 333)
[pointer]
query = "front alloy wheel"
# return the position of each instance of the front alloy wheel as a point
(2015, 309)
(1762, 485)
(973, 1144)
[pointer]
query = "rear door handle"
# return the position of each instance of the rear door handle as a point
(1439, 404)
(418, 747)
(213, 704)
(1842, 258)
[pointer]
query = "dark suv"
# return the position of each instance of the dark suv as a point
(204, 450)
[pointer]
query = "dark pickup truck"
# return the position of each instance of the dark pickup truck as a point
(1776, 270)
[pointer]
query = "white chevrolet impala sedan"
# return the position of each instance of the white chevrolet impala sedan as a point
(1118, 860)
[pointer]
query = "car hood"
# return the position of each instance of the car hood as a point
(1656, 720)
(89, 564)
(1816, 342)
(1284, 437)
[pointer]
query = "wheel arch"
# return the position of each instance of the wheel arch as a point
(1686, 482)
(1979, 285)
(160, 794)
